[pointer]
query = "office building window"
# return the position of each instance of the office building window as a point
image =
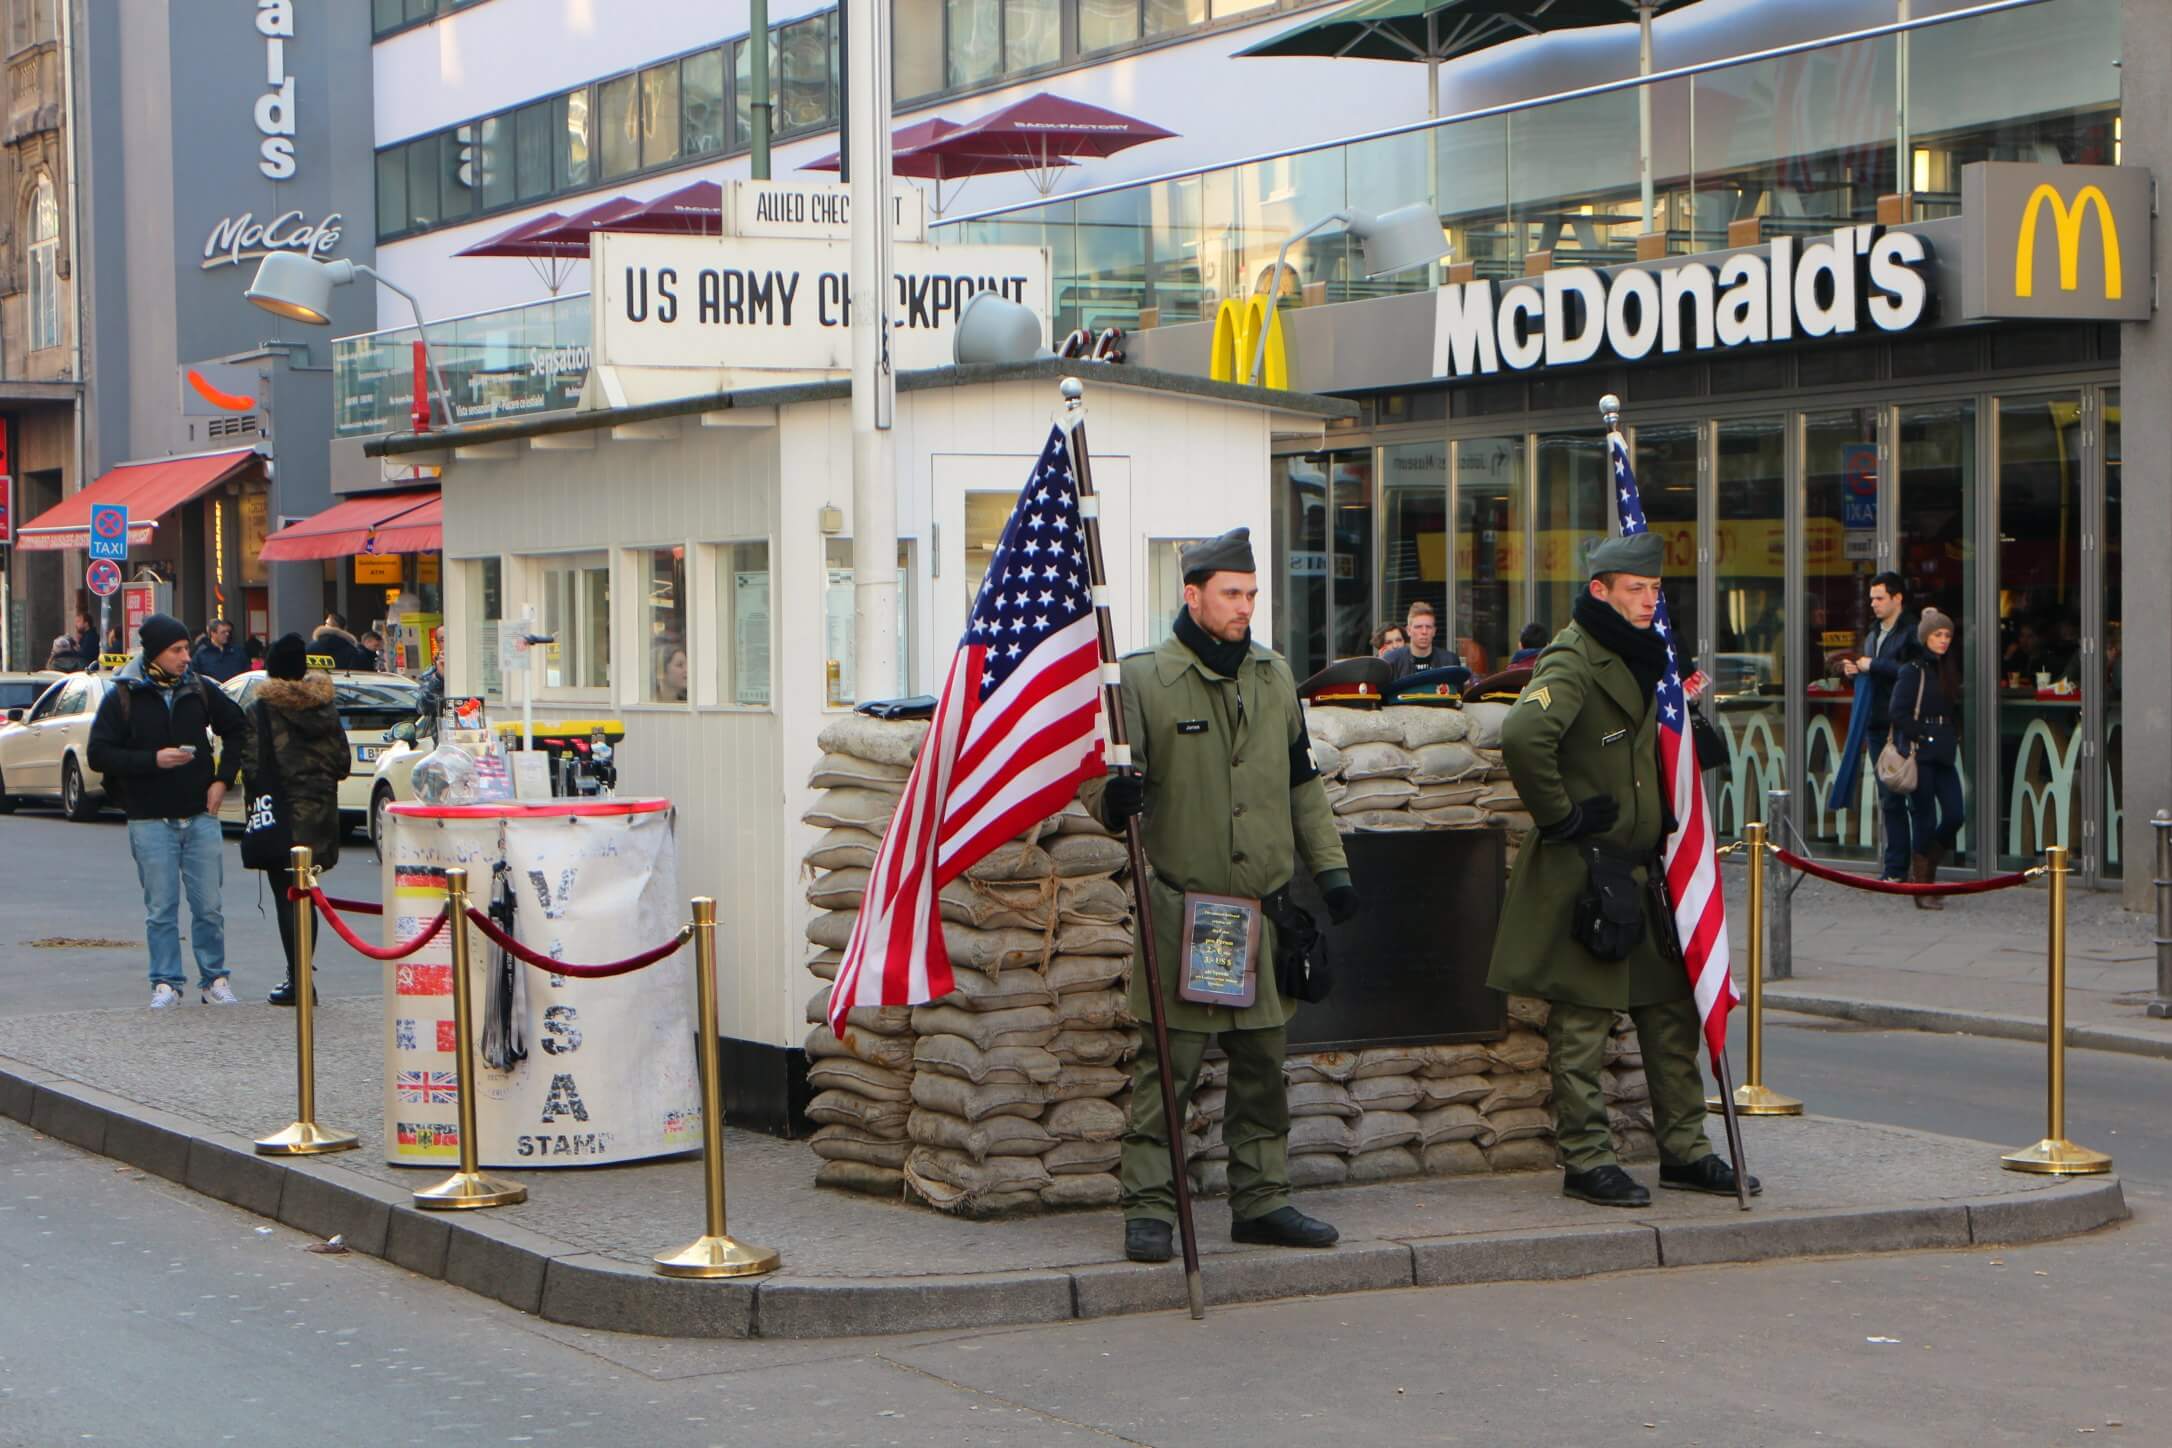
(916, 54)
(618, 126)
(490, 165)
(1032, 34)
(1105, 24)
(532, 151)
(393, 216)
(701, 99)
(44, 232)
(660, 114)
(570, 162)
(803, 90)
(743, 91)
(975, 30)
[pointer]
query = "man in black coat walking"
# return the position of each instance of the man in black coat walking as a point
(1883, 650)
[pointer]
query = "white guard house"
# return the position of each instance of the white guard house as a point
(693, 559)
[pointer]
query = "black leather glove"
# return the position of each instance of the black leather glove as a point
(1594, 816)
(1124, 798)
(1342, 904)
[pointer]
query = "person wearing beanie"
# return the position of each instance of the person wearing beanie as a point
(151, 742)
(296, 746)
(1927, 723)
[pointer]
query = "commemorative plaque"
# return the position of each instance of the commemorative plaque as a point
(1221, 950)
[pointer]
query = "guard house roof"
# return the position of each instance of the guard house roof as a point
(1307, 406)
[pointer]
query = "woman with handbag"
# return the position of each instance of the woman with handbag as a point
(1927, 726)
(294, 757)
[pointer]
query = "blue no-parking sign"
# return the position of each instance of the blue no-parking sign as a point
(109, 531)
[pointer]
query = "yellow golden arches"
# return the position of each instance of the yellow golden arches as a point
(2066, 222)
(1237, 327)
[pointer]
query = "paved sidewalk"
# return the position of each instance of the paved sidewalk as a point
(1978, 966)
(180, 1093)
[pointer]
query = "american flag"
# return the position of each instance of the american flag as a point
(1017, 728)
(1693, 884)
(427, 1086)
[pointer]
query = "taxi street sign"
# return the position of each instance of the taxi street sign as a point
(109, 531)
(2066, 242)
(103, 576)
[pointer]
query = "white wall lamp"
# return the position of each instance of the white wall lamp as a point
(299, 288)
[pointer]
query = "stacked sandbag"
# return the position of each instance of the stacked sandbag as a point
(1004, 1094)
(1416, 766)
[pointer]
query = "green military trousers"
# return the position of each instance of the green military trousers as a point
(1668, 1035)
(1255, 1123)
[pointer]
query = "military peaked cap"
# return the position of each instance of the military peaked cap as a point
(1443, 685)
(1352, 683)
(1639, 553)
(1230, 553)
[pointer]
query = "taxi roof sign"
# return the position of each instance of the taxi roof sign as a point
(320, 661)
(110, 662)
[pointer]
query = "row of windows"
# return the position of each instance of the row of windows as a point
(697, 106)
(388, 17)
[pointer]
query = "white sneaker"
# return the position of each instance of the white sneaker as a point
(164, 995)
(219, 993)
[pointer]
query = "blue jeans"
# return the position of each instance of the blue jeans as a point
(170, 855)
(1937, 804)
(1896, 811)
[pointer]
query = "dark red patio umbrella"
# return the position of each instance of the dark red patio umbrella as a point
(919, 151)
(570, 237)
(1041, 133)
(696, 209)
(552, 261)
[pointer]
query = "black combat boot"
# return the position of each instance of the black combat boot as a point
(1284, 1227)
(1706, 1174)
(1606, 1186)
(1146, 1240)
(282, 994)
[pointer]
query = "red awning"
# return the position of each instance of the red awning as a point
(376, 523)
(149, 491)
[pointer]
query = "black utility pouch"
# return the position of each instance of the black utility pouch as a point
(1301, 967)
(1609, 916)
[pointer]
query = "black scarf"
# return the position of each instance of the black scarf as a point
(1220, 658)
(1642, 649)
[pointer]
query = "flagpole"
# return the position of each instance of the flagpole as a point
(1112, 697)
(1734, 1123)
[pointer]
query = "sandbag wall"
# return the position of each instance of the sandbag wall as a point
(1007, 1094)
(1010, 1094)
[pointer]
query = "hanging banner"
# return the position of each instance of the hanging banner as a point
(609, 1074)
(744, 303)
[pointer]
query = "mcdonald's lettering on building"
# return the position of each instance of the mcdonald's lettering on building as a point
(2056, 242)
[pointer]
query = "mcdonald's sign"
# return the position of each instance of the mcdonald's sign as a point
(1237, 328)
(2064, 242)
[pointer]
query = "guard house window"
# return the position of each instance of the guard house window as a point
(485, 614)
(577, 614)
(743, 628)
(663, 632)
(44, 279)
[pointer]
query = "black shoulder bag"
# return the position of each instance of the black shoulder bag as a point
(1609, 917)
(267, 832)
(1301, 967)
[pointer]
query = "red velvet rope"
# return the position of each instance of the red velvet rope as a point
(374, 952)
(630, 964)
(352, 907)
(1887, 887)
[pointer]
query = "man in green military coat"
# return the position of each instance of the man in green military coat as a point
(1228, 795)
(1582, 745)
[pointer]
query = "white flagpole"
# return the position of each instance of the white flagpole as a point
(874, 384)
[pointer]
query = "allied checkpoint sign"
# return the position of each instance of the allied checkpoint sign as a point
(773, 305)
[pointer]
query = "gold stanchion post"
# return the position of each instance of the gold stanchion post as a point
(715, 1254)
(467, 1187)
(305, 1137)
(1753, 1097)
(2055, 1155)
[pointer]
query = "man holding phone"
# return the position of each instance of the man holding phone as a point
(152, 743)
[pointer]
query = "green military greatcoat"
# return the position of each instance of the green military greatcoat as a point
(1224, 813)
(1581, 728)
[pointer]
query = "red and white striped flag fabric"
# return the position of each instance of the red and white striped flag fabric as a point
(1693, 882)
(1016, 730)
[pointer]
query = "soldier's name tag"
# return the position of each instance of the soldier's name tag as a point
(1615, 738)
(1221, 950)
(1191, 726)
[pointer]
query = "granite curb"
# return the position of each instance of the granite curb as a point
(1899, 1015)
(567, 1283)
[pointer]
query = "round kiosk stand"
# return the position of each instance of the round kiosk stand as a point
(609, 1073)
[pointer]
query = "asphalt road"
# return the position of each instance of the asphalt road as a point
(73, 886)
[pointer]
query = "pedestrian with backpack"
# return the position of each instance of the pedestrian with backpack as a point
(295, 757)
(151, 741)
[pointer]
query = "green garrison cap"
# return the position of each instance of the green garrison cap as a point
(1639, 553)
(1230, 553)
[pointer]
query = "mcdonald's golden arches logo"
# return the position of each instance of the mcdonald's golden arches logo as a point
(1237, 328)
(2018, 217)
(2068, 222)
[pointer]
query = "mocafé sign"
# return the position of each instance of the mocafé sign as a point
(1859, 277)
(236, 239)
(766, 304)
(2067, 242)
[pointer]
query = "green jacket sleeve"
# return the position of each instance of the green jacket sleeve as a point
(1311, 817)
(1090, 793)
(1531, 734)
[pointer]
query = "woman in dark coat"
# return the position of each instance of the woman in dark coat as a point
(293, 712)
(1926, 714)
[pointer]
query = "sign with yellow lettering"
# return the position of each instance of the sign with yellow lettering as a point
(2065, 242)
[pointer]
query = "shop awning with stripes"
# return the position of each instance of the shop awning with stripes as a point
(149, 491)
(412, 522)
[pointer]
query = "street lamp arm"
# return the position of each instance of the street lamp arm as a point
(437, 378)
(1274, 286)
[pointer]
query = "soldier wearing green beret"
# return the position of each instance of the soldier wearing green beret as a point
(1229, 797)
(1582, 745)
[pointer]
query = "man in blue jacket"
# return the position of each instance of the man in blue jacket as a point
(1883, 648)
(152, 743)
(221, 655)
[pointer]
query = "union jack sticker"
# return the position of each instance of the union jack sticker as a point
(429, 1087)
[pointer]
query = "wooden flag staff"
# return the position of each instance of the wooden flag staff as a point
(1112, 699)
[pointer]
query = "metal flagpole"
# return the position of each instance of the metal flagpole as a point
(1734, 1129)
(874, 384)
(1112, 699)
